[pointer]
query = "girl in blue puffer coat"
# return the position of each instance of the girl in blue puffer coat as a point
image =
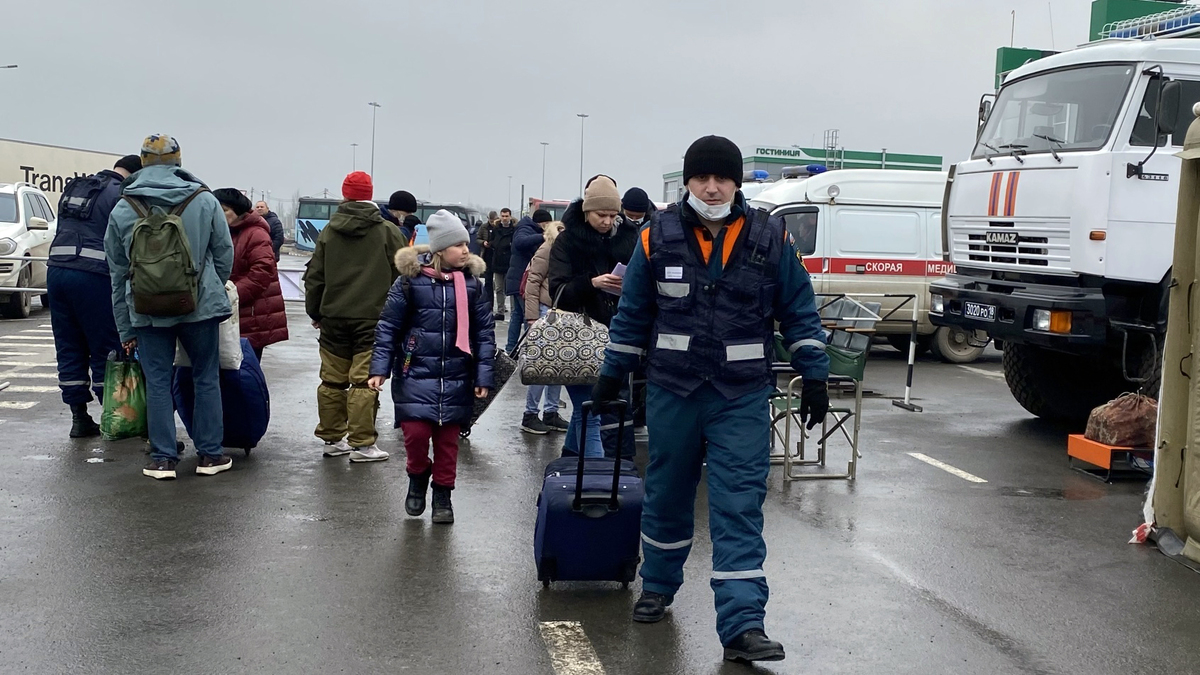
(436, 336)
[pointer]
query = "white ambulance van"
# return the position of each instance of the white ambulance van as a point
(874, 231)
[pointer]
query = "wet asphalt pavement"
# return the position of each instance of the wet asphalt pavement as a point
(291, 563)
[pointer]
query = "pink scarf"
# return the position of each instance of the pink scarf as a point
(462, 337)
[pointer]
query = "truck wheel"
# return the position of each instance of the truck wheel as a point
(900, 342)
(953, 345)
(19, 304)
(1065, 387)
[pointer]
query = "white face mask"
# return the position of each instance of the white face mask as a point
(711, 213)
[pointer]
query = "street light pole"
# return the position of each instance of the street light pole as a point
(544, 144)
(374, 108)
(354, 156)
(581, 117)
(509, 202)
(11, 65)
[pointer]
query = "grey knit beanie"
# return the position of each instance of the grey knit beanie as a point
(445, 230)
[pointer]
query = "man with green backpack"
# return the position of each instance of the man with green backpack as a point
(169, 255)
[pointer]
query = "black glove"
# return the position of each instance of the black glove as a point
(814, 402)
(607, 390)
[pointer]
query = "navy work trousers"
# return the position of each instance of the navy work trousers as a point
(81, 315)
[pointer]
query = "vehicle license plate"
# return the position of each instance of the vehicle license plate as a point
(974, 310)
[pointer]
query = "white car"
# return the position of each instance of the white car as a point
(27, 226)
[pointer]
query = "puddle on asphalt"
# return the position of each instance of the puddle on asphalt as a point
(1068, 494)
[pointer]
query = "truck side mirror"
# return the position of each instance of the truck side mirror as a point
(985, 109)
(36, 223)
(1168, 111)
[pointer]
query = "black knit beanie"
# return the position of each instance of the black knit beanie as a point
(542, 216)
(713, 155)
(234, 199)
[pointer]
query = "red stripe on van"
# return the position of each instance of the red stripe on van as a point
(880, 267)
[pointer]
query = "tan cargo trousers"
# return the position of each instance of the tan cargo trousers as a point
(346, 406)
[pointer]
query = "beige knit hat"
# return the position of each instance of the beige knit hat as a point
(601, 195)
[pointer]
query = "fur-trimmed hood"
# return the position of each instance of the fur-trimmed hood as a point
(552, 231)
(410, 260)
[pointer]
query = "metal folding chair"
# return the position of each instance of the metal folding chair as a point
(851, 324)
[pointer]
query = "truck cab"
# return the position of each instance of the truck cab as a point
(1060, 226)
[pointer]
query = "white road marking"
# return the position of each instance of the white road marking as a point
(36, 338)
(37, 330)
(28, 376)
(29, 364)
(19, 353)
(571, 651)
(45, 325)
(946, 467)
(992, 374)
(17, 405)
(29, 389)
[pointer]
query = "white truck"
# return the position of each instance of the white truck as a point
(49, 167)
(1060, 225)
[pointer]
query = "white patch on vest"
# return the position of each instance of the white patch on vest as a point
(673, 273)
(752, 352)
(679, 343)
(677, 290)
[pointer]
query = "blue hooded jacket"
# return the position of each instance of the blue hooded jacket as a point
(165, 186)
(526, 241)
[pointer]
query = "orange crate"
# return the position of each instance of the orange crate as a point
(1096, 454)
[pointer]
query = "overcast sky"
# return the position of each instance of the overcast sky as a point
(270, 95)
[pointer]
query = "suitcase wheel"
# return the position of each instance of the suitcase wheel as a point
(247, 451)
(624, 585)
(464, 433)
(546, 583)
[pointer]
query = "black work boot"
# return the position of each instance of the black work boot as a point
(753, 645)
(82, 424)
(443, 510)
(651, 607)
(418, 485)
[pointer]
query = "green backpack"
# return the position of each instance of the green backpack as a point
(162, 272)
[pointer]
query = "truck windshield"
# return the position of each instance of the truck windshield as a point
(8, 208)
(1063, 110)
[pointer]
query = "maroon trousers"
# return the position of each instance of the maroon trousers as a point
(417, 435)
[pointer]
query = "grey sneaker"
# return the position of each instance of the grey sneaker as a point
(211, 466)
(554, 422)
(160, 470)
(530, 424)
(371, 453)
(338, 449)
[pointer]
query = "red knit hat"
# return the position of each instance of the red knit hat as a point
(357, 187)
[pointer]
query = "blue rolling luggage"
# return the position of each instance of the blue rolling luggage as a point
(245, 401)
(589, 518)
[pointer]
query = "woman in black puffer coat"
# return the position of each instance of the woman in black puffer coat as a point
(593, 242)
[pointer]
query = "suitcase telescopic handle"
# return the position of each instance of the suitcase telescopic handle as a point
(588, 406)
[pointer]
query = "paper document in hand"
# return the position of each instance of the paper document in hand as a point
(619, 271)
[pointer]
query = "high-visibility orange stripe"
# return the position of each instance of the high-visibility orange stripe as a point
(1010, 201)
(646, 242)
(994, 198)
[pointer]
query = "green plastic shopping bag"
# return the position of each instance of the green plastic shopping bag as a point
(124, 398)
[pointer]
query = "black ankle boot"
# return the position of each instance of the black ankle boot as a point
(443, 510)
(82, 424)
(418, 485)
(753, 645)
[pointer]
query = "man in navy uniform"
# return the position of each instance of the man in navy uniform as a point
(700, 300)
(81, 311)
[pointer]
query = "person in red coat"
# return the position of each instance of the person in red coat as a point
(261, 312)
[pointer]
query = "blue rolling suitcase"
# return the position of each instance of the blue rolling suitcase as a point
(589, 518)
(245, 401)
